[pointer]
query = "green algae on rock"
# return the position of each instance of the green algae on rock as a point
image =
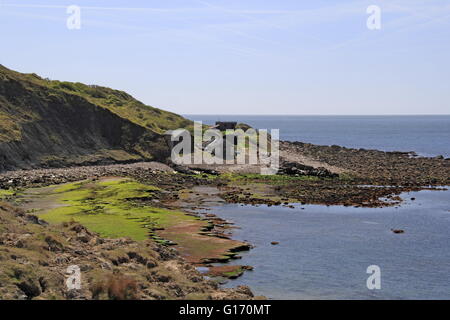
(121, 207)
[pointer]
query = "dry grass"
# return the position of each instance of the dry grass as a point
(115, 287)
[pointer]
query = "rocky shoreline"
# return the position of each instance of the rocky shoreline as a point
(309, 174)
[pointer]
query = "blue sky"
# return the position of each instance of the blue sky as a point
(242, 57)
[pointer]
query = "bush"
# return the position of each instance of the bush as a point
(117, 287)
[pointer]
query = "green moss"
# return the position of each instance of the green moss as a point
(112, 208)
(346, 177)
(68, 187)
(6, 193)
(234, 274)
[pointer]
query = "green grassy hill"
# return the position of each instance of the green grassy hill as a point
(53, 123)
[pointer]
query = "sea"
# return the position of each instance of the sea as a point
(426, 135)
(336, 252)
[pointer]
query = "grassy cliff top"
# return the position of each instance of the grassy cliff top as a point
(116, 101)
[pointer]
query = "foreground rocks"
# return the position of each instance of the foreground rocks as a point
(35, 259)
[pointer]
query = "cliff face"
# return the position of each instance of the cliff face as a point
(47, 123)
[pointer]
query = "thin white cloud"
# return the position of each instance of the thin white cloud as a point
(415, 15)
(143, 9)
(250, 25)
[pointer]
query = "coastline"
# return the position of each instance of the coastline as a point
(321, 181)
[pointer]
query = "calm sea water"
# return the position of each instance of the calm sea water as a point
(324, 251)
(427, 135)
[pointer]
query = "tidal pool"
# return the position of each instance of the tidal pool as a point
(324, 252)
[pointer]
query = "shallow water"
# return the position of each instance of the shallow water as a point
(324, 251)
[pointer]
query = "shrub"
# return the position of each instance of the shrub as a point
(117, 287)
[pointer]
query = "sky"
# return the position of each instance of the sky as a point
(242, 56)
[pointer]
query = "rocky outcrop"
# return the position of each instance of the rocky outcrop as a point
(297, 169)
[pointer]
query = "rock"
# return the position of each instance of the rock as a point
(53, 244)
(43, 283)
(140, 259)
(297, 169)
(243, 247)
(162, 278)
(35, 220)
(151, 264)
(43, 263)
(19, 244)
(106, 266)
(244, 290)
(74, 294)
(29, 288)
(226, 271)
(61, 259)
(96, 241)
(83, 237)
